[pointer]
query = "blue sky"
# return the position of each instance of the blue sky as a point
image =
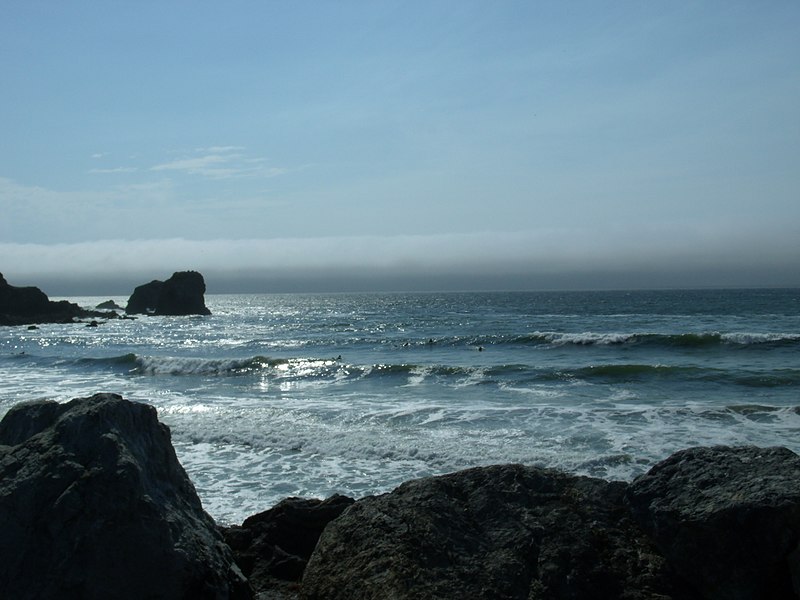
(388, 145)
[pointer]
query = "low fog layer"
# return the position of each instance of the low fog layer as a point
(565, 259)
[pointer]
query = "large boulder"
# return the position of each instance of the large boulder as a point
(507, 531)
(273, 547)
(26, 305)
(181, 294)
(95, 505)
(728, 519)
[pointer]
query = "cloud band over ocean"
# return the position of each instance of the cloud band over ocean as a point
(556, 259)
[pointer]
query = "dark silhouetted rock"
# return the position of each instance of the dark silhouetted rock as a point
(144, 299)
(181, 294)
(276, 544)
(496, 532)
(94, 505)
(714, 523)
(108, 305)
(728, 519)
(26, 305)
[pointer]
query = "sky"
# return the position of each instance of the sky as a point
(379, 145)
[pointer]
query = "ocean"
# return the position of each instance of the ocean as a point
(280, 395)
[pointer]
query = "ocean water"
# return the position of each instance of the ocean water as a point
(309, 395)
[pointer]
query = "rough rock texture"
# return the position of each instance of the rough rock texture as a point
(26, 305)
(496, 532)
(275, 545)
(728, 519)
(94, 505)
(714, 523)
(181, 294)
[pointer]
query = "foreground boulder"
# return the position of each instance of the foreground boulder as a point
(27, 305)
(709, 523)
(505, 531)
(181, 294)
(94, 505)
(727, 519)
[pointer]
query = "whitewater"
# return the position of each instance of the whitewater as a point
(278, 395)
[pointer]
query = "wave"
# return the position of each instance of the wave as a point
(664, 340)
(159, 365)
(412, 373)
(135, 364)
(633, 373)
(596, 374)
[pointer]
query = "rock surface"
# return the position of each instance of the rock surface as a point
(26, 305)
(274, 546)
(181, 294)
(708, 523)
(727, 519)
(94, 504)
(505, 531)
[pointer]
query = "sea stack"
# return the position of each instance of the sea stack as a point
(181, 294)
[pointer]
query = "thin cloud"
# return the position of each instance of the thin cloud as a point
(222, 162)
(114, 170)
(219, 149)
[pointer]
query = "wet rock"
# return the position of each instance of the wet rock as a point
(94, 504)
(181, 294)
(728, 519)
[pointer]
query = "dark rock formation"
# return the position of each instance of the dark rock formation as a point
(275, 545)
(728, 519)
(94, 504)
(708, 523)
(109, 305)
(181, 294)
(144, 299)
(497, 532)
(26, 305)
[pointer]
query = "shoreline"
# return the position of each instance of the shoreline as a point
(501, 531)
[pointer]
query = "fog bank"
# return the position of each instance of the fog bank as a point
(565, 259)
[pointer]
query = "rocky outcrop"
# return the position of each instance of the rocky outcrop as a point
(274, 546)
(727, 519)
(109, 305)
(708, 523)
(27, 305)
(505, 531)
(181, 294)
(94, 504)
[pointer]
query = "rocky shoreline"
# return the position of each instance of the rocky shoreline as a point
(94, 504)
